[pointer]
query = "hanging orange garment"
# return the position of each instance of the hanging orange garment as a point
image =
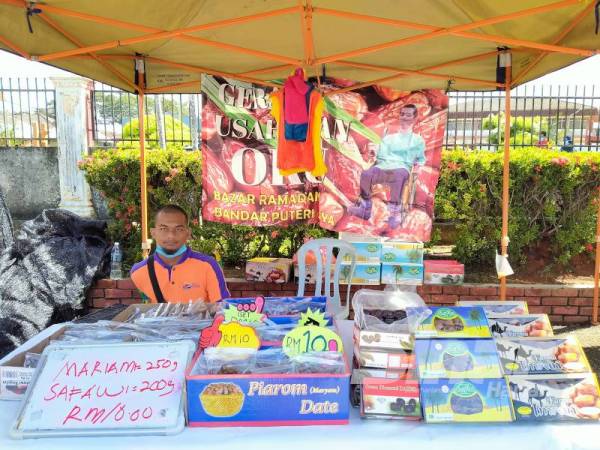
(294, 156)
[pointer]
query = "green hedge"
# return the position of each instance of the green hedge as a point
(551, 204)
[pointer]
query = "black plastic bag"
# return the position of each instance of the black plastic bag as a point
(46, 272)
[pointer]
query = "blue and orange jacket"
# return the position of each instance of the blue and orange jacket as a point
(195, 277)
(294, 156)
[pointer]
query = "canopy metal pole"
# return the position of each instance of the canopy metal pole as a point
(596, 267)
(143, 181)
(506, 167)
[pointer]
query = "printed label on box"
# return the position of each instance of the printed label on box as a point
(385, 359)
(555, 397)
(366, 252)
(469, 400)
(457, 358)
(402, 253)
(385, 397)
(492, 308)
(530, 356)
(363, 274)
(264, 401)
(452, 322)
(14, 381)
(376, 339)
(530, 325)
(270, 270)
(406, 274)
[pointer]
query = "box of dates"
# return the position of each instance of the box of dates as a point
(465, 400)
(385, 398)
(555, 397)
(457, 358)
(528, 325)
(233, 380)
(269, 270)
(359, 374)
(381, 320)
(452, 322)
(391, 359)
(493, 308)
(546, 355)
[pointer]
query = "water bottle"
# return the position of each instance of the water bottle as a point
(116, 258)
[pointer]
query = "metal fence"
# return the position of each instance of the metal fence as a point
(545, 116)
(568, 116)
(27, 112)
(170, 118)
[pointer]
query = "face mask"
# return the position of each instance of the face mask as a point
(163, 252)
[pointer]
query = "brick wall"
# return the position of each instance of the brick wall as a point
(564, 304)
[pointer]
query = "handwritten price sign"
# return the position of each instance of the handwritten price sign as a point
(107, 387)
(235, 335)
(311, 339)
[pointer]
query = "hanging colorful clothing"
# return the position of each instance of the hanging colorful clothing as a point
(299, 139)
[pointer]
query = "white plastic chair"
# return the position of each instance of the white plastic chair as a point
(334, 305)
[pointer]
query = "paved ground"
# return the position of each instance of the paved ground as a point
(589, 336)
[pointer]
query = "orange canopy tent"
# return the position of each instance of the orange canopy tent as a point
(152, 47)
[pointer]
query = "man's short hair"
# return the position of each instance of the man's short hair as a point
(172, 209)
(411, 106)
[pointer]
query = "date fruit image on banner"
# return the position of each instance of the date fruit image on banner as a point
(240, 180)
(382, 150)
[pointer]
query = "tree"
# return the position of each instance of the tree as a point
(475, 317)
(398, 272)
(175, 130)
(523, 130)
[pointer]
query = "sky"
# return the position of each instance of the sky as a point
(585, 72)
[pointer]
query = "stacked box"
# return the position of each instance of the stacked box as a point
(453, 322)
(555, 397)
(359, 374)
(368, 248)
(498, 308)
(457, 358)
(402, 263)
(404, 274)
(393, 252)
(385, 398)
(465, 400)
(270, 270)
(367, 274)
(385, 377)
(459, 369)
(15, 377)
(542, 356)
(267, 399)
(283, 306)
(527, 325)
(447, 272)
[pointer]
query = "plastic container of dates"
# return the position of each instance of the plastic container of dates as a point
(380, 318)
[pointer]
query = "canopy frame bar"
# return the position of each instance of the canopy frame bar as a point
(423, 72)
(504, 241)
(14, 47)
(556, 41)
(458, 30)
(95, 57)
(157, 34)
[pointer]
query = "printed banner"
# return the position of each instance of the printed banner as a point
(240, 180)
(382, 150)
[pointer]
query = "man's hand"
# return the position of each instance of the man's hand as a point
(210, 336)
